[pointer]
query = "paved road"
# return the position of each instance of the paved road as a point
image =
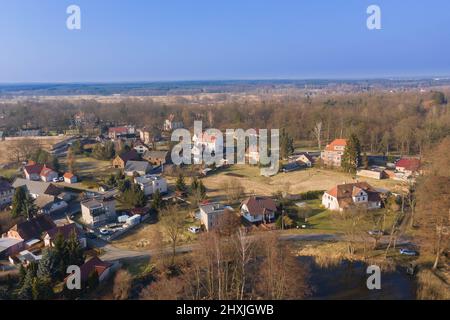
(112, 253)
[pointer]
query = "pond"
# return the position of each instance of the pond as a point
(347, 280)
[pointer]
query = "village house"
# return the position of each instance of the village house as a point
(70, 178)
(6, 193)
(170, 124)
(332, 155)
(303, 157)
(149, 135)
(137, 168)
(205, 143)
(30, 230)
(66, 231)
(210, 214)
(157, 158)
(257, 209)
(98, 211)
(102, 268)
(49, 198)
(119, 132)
(36, 172)
(344, 196)
(150, 183)
(121, 161)
(10, 246)
(408, 166)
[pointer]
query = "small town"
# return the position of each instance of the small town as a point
(227, 158)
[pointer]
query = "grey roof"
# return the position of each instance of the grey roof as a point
(37, 187)
(212, 207)
(6, 243)
(92, 203)
(137, 166)
(155, 154)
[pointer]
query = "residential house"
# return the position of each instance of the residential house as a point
(304, 157)
(66, 231)
(10, 246)
(210, 214)
(33, 229)
(140, 168)
(98, 211)
(332, 155)
(344, 196)
(408, 166)
(206, 143)
(150, 183)
(47, 195)
(70, 178)
(157, 158)
(149, 135)
(102, 268)
(118, 132)
(6, 193)
(121, 161)
(170, 124)
(257, 209)
(36, 172)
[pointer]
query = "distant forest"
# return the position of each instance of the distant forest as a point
(405, 122)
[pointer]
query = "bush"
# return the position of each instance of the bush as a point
(312, 195)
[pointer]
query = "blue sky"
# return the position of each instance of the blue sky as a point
(151, 40)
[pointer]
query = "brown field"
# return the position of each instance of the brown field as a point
(45, 143)
(292, 182)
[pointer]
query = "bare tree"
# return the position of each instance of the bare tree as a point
(317, 131)
(122, 285)
(173, 220)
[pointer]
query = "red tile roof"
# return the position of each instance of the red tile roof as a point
(260, 205)
(336, 143)
(69, 175)
(34, 168)
(123, 130)
(66, 231)
(95, 264)
(410, 164)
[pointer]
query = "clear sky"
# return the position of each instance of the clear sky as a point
(151, 40)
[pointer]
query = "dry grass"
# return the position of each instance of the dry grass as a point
(432, 287)
(293, 182)
(45, 143)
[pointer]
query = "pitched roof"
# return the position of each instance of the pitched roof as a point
(5, 185)
(138, 166)
(34, 228)
(45, 172)
(34, 168)
(130, 155)
(69, 175)
(411, 164)
(95, 264)
(336, 143)
(37, 187)
(119, 130)
(260, 205)
(65, 230)
(344, 192)
(155, 154)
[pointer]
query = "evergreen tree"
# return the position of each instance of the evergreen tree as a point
(156, 200)
(286, 144)
(48, 265)
(18, 203)
(351, 159)
(74, 251)
(93, 280)
(59, 247)
(41, 288)
(180, 184)
(365, 161)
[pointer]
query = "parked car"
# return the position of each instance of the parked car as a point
(55, 180)
(375, 232)
(408, 252)
(104, 232)
(194, 230)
